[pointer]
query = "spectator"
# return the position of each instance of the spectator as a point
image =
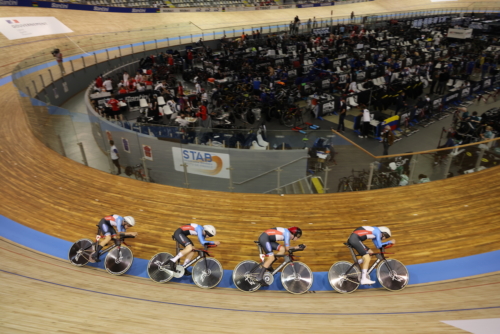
(114, 104)
(387, 139)
(342, 114)
(59, 58)
(183, 122)
(487, 134)
(401, 102)
(108, 85)
(422, 178)
(113, 152)
(365, 122)
(443, 80)
(98, 82)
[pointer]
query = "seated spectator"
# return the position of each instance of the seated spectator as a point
(182, 120)
(487, 134)
(422, 178)
(122, 90)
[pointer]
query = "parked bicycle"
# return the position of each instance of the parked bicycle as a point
(296, 277)
(118, 260)
(207, 272)
(292, 116)
(345, 277)
(138, 172)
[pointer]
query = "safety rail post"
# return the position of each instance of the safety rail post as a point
(325, 188)
(370, 176)
(43, 82)
(413, 163)
(72, 67)
(278, 189)
(34, 85)
(63, 151)
(145, 168)
(186, 181)
(479, 158)
(120, 51)
(107, 54)
(95, 58)
(83, 61)
(29, 91)
(156, 43)
(84, 157)
(230, 169)
(51, 77)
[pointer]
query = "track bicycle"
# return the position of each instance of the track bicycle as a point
(296, 276)
(207, 272)
(292, 116)
(118, 260)
(345, 277)
(138, 172)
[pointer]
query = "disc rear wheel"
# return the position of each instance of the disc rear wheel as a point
(80, 251)
(157, 270)
(344, 277)
(244, 276)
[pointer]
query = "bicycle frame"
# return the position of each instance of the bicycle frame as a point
(109, 248)
(201, 255)
(288, 259)
(380, 258)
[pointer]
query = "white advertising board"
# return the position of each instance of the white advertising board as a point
(201, 163)
(25, 27)
(459, 33)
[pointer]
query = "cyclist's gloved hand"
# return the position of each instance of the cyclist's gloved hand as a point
(388, 246)
(302, 246)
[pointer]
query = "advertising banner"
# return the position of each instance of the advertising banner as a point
(316, 5)
(201, 163)
(25, 27)
(459, 33)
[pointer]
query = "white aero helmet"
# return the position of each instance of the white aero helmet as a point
(129, 220)
(209, 230)
(384, 229)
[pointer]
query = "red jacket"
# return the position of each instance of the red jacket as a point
(202, 113)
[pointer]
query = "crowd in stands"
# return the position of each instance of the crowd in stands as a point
(276, 71)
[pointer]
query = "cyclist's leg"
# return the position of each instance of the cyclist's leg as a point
(108, 231)
(268, 246)
(185, 242)
(357, 244)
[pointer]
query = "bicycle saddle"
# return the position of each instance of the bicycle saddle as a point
(256, 242)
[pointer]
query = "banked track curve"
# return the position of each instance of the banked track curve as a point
(42, 190)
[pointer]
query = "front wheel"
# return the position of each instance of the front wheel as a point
(344, 277)
(297, 278)
(118, 260)
(80, 251)
(393, 275)
(245, 274)
(207, 273)
(288, 119)
(157, 270)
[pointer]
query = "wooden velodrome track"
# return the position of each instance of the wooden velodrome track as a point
(42, 190)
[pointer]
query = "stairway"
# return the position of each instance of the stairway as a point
(301, 186)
